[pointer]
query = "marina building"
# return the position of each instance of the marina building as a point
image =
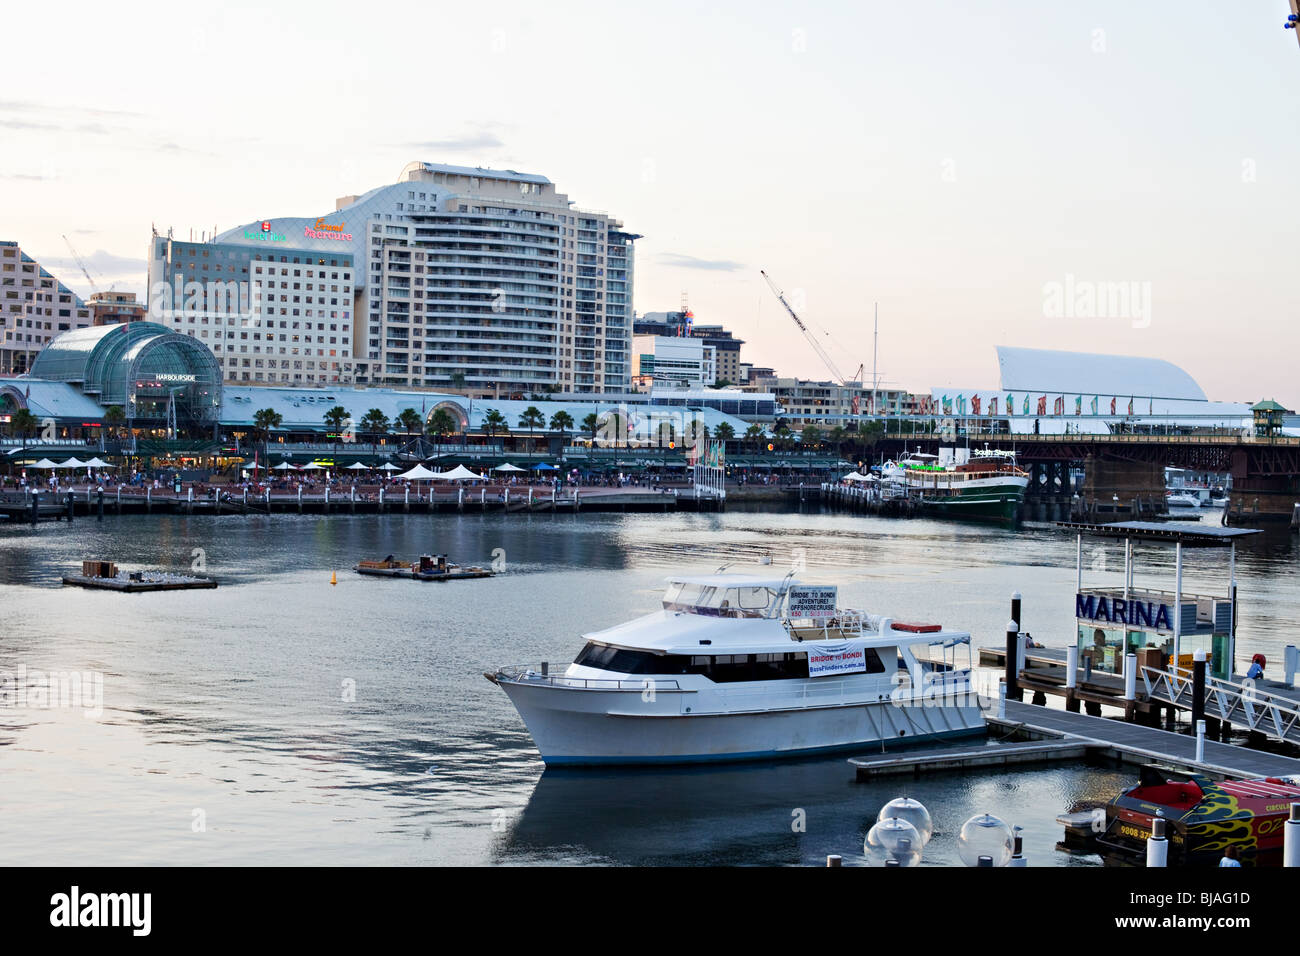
(808, 402)
(107, 308)
(35, 307)
(484, 282)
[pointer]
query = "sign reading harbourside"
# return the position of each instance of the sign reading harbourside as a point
(1118, 611)
(811, 602)
(825, 660)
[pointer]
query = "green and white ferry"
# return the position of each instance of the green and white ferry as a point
(988, 487)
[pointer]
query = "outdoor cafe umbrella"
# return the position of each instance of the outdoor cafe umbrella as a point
(285, 466)
(389, 466)
(45, 463)
(97, 463)
(544, 467)
(357, 466)
(72, 463)
(459, 473)
(419, 473)
(312, 466)
(508, 467)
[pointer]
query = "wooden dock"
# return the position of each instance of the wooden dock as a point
(1135, 743)
(970, 756)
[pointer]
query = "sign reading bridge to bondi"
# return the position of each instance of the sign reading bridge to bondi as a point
(811, 602)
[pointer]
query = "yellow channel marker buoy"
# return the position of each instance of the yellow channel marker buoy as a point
(334, 577)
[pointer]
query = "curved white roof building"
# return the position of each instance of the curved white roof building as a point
(1049, 370)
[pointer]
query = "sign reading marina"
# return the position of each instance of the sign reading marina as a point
(1118, 611)
(811, 603)
(825, 660)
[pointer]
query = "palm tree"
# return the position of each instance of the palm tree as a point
(561, 422)
(782, 433)
(441, 423)
(613, 426)
(374, 423)
(837, 436)
(21, 422)
(264, 421)
(530, 419)
(590, 424)
(493, 422)
(724, 432)
(811, 436)
(752, 434)
(410, 421)
(337, 419)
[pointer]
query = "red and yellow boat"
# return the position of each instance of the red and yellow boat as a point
(1204, 817)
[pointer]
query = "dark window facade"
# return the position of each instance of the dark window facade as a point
(720, 668)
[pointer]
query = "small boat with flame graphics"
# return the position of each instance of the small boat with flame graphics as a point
(1204, 817)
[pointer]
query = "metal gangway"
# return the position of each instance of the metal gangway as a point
(1243, 704)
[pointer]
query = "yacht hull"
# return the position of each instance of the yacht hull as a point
(582, 727)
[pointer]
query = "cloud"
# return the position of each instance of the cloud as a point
(100, 264)
(691, 262)
(26, 124)
(24, 177)
(481, 138)
(23, 106)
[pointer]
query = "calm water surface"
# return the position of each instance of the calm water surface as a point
(227, 735)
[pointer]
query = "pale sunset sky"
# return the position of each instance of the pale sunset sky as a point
(949, 160)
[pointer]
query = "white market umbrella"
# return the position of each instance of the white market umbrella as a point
(72, 463)
(854, 476)
(389, 466)
(312, 466)
(459, 473)
(418, 473)
(45, 463)
(97, 463)
(357, 466)
(508, 467)
(285, 466)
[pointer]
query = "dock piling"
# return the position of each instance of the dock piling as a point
(1198, 688)
(1291, 838)
(1200, 741)
(1013, 662)
(1158, 844)
(834, 859)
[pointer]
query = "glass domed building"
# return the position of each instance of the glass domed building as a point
(154, 375)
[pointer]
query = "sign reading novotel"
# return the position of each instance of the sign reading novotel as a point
(811, 602)
(1095, 607)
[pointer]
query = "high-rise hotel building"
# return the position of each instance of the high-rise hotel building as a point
(468, 279)
(34, 308)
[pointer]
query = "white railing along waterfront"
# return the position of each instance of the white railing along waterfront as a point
(1232, 701)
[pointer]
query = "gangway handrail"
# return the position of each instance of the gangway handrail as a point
(1228, 697)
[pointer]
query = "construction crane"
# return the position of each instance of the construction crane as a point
(84, 271)
(812, 339)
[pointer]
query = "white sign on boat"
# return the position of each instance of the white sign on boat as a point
(811, 602)
(825, 660)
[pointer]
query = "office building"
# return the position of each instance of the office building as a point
(35, 307)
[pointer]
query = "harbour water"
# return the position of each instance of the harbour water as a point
(280, 719)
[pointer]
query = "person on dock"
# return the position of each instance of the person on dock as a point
(1256, 671)
(1230, 857)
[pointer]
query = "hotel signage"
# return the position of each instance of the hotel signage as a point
(1093, 607)
(326, 230)
(265, 234)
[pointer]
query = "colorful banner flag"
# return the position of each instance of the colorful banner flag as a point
(975, 404)
(1095, 399)
(1078, 404)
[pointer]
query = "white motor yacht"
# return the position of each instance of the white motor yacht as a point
(743, 667)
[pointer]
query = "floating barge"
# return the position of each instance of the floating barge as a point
(105, 576)
(427, 568)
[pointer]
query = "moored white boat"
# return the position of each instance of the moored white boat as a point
(742, 667)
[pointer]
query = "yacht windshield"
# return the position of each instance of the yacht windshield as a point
(716, 601)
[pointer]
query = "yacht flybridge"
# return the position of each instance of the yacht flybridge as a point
(741, 667)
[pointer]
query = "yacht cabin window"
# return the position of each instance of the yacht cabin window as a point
(718, 602)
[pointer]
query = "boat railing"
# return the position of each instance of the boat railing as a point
(529, 674)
